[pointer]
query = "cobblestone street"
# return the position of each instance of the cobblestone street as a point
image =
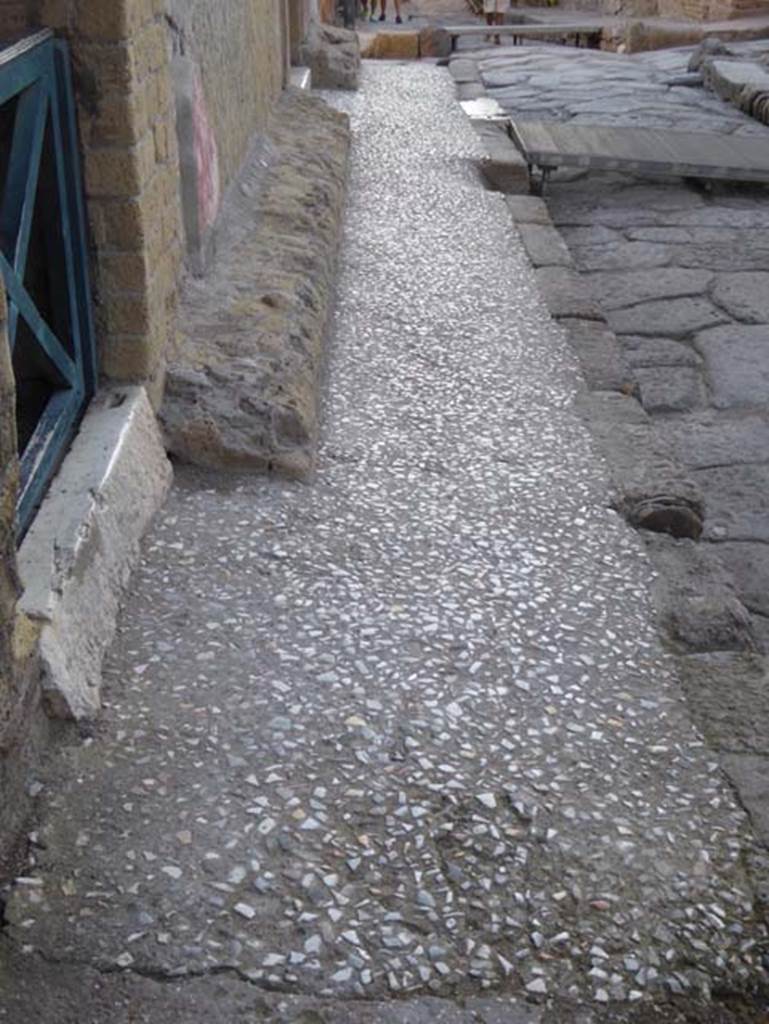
(402, 744)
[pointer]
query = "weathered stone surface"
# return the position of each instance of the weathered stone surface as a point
(503, 166)
(750, 775)
(728, 694)
(651, 491)
(619, 255)
(469, 91)
(737, 363)
(674, 318)
(710, 47)
(641, 36)
(670, 388)
(503, 1011)
(529, 210)
(745, 296)
(600, 355)
(434, 42)
(80, 551)
(736, 501)
(629, 287)
(567, 294)
(696, 600)
(333, 56)
(643, 352)
(700, 442)
(544, 246)
(463, 69)
(242, 389)
(745, 83)
(748, 564)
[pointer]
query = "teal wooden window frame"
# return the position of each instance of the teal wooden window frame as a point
(35, 74)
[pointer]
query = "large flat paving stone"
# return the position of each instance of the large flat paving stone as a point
(737, 364)
(667, 389)
(641, 351)
(736, 501)
(631, 286)
(675, 318)
(745, 296)
(618, 255)
(748, 564)
(729, 694)
(710, 441)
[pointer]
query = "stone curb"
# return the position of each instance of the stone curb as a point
(79, 552)
(503, 167)
(242, 387)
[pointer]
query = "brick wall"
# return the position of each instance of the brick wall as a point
(130, 161)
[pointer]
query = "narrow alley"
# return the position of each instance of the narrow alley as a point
(400, 744)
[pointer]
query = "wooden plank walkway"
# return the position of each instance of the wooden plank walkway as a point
(583, 32)
(548, 145)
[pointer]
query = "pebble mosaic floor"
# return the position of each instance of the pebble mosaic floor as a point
(406, 729)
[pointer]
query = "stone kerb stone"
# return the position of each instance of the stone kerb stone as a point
(652, 491)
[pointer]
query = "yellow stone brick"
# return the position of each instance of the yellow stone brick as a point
(55, 14)
(130, 358)
(150, 49)
(121, 119)
(105, 69)
(119, 170)
(136, 313)
(123, 272)
(111, 20)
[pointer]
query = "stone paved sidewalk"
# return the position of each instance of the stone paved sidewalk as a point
(401, 744)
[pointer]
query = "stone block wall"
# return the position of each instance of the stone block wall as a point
(130, 164)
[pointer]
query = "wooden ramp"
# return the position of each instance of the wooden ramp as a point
(548, 145)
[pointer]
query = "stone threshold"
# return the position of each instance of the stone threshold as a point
(78, 554)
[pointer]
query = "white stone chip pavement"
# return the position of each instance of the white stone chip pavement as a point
(414, 715)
